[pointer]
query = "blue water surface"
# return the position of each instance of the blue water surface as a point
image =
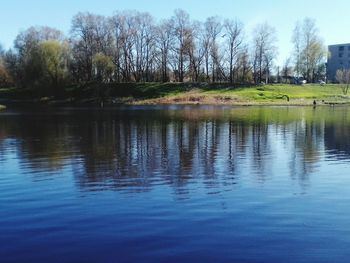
(175, 184)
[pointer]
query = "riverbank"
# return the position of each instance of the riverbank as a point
(277, 94)
(181, 93)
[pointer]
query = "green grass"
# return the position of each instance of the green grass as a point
(183, 93)
(275, 92)
(268, 94)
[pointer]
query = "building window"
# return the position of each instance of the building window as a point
(340, 55)
(349, 48)
(341, 48)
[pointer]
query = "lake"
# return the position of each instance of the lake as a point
(175, 184)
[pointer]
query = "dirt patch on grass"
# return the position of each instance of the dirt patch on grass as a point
(198, 97)
(191, 98)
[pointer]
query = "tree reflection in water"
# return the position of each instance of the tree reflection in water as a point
(134, 149)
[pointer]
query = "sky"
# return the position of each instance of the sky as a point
(331, 16)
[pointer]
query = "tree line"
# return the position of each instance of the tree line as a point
(132, 46)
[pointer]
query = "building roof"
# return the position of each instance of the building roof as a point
(336, 45)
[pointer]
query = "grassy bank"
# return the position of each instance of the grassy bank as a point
(277, 94)
(184, 93)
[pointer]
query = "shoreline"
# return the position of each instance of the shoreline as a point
(113, 94)
(300, 102)
(166, 102)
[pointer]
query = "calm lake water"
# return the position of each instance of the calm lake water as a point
(175, 184)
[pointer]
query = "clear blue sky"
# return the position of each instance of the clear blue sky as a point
(332, 17)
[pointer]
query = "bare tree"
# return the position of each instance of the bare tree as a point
(164, 41)
(143, 31)
(244, 66)
(309, 50)
(182, 35)
(234, 35)
(127, 49)
(343, 77)
(206, 48)
(213, 28)
(116, 23)
(297, 53)
(265, 51)
(90, 35)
